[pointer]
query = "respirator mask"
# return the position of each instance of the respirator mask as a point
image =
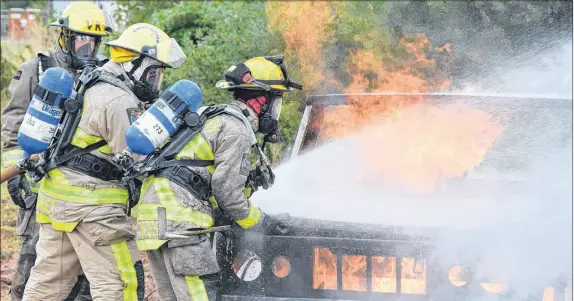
(80, 49)
(269, 119)
(146, 75)
(267, 105)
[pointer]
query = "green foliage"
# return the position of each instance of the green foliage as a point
(12, 56)
(214, 35)
(131, 12)
(41, 4)
(357, 26)
(8, 71)
(217, 34)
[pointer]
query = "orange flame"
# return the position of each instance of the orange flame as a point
(302, 25)
(421, 146)
(324, 269)
(416, 147)
(413, 276)
(384, 274)
(370, 75)
(425, 143)
(354, 273)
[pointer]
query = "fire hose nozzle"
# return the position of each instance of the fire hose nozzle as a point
(280, 223)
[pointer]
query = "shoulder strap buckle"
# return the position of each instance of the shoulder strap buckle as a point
(89, 76)
(175, 169)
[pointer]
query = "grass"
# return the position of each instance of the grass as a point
(10, 243)
(15, 52)
(8, 212)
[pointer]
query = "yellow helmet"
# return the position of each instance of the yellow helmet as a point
(267, 73)
(147, 40)
(83, 17)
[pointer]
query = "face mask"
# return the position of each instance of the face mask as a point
(147, 87)
(269, 121)
(152, 77)
(81, 49)
(83, 46)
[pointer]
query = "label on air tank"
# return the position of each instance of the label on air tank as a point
(36, 128)
(151, 127)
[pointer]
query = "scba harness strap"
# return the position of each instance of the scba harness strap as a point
(75, 158)
(162, 163)
(82, 161)
(45, 62)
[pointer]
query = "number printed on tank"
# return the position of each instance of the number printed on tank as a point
(158, 128)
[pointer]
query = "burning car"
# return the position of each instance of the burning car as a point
(453, 168)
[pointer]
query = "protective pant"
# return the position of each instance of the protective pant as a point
(171, 285)
(28, 230)
(110, 263)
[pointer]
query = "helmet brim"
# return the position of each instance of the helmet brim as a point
(177, 60)
(225, 85)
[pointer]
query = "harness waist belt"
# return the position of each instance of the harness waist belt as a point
(94, 166)
(187, 179)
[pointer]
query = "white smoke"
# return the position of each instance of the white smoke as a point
(535, 251)
(536, 71)
(521, 220)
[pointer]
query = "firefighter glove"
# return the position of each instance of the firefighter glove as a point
(19, 190)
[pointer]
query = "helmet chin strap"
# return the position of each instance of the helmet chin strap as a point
(135, 65)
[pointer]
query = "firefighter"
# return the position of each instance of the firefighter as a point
(196, 197)
(77, 47)
(82, 205)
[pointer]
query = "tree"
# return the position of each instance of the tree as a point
(214, 36)
(328, 44)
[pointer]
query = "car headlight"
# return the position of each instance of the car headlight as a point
(281, 267)
(457, 275)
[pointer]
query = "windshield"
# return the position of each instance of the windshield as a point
(525, 128)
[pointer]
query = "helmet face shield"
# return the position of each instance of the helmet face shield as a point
(153, 76)
(150, 41)
(83, 46)
(275, 110)
(269, 118)
(175, 55)
(146, 87)
(81, 49)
